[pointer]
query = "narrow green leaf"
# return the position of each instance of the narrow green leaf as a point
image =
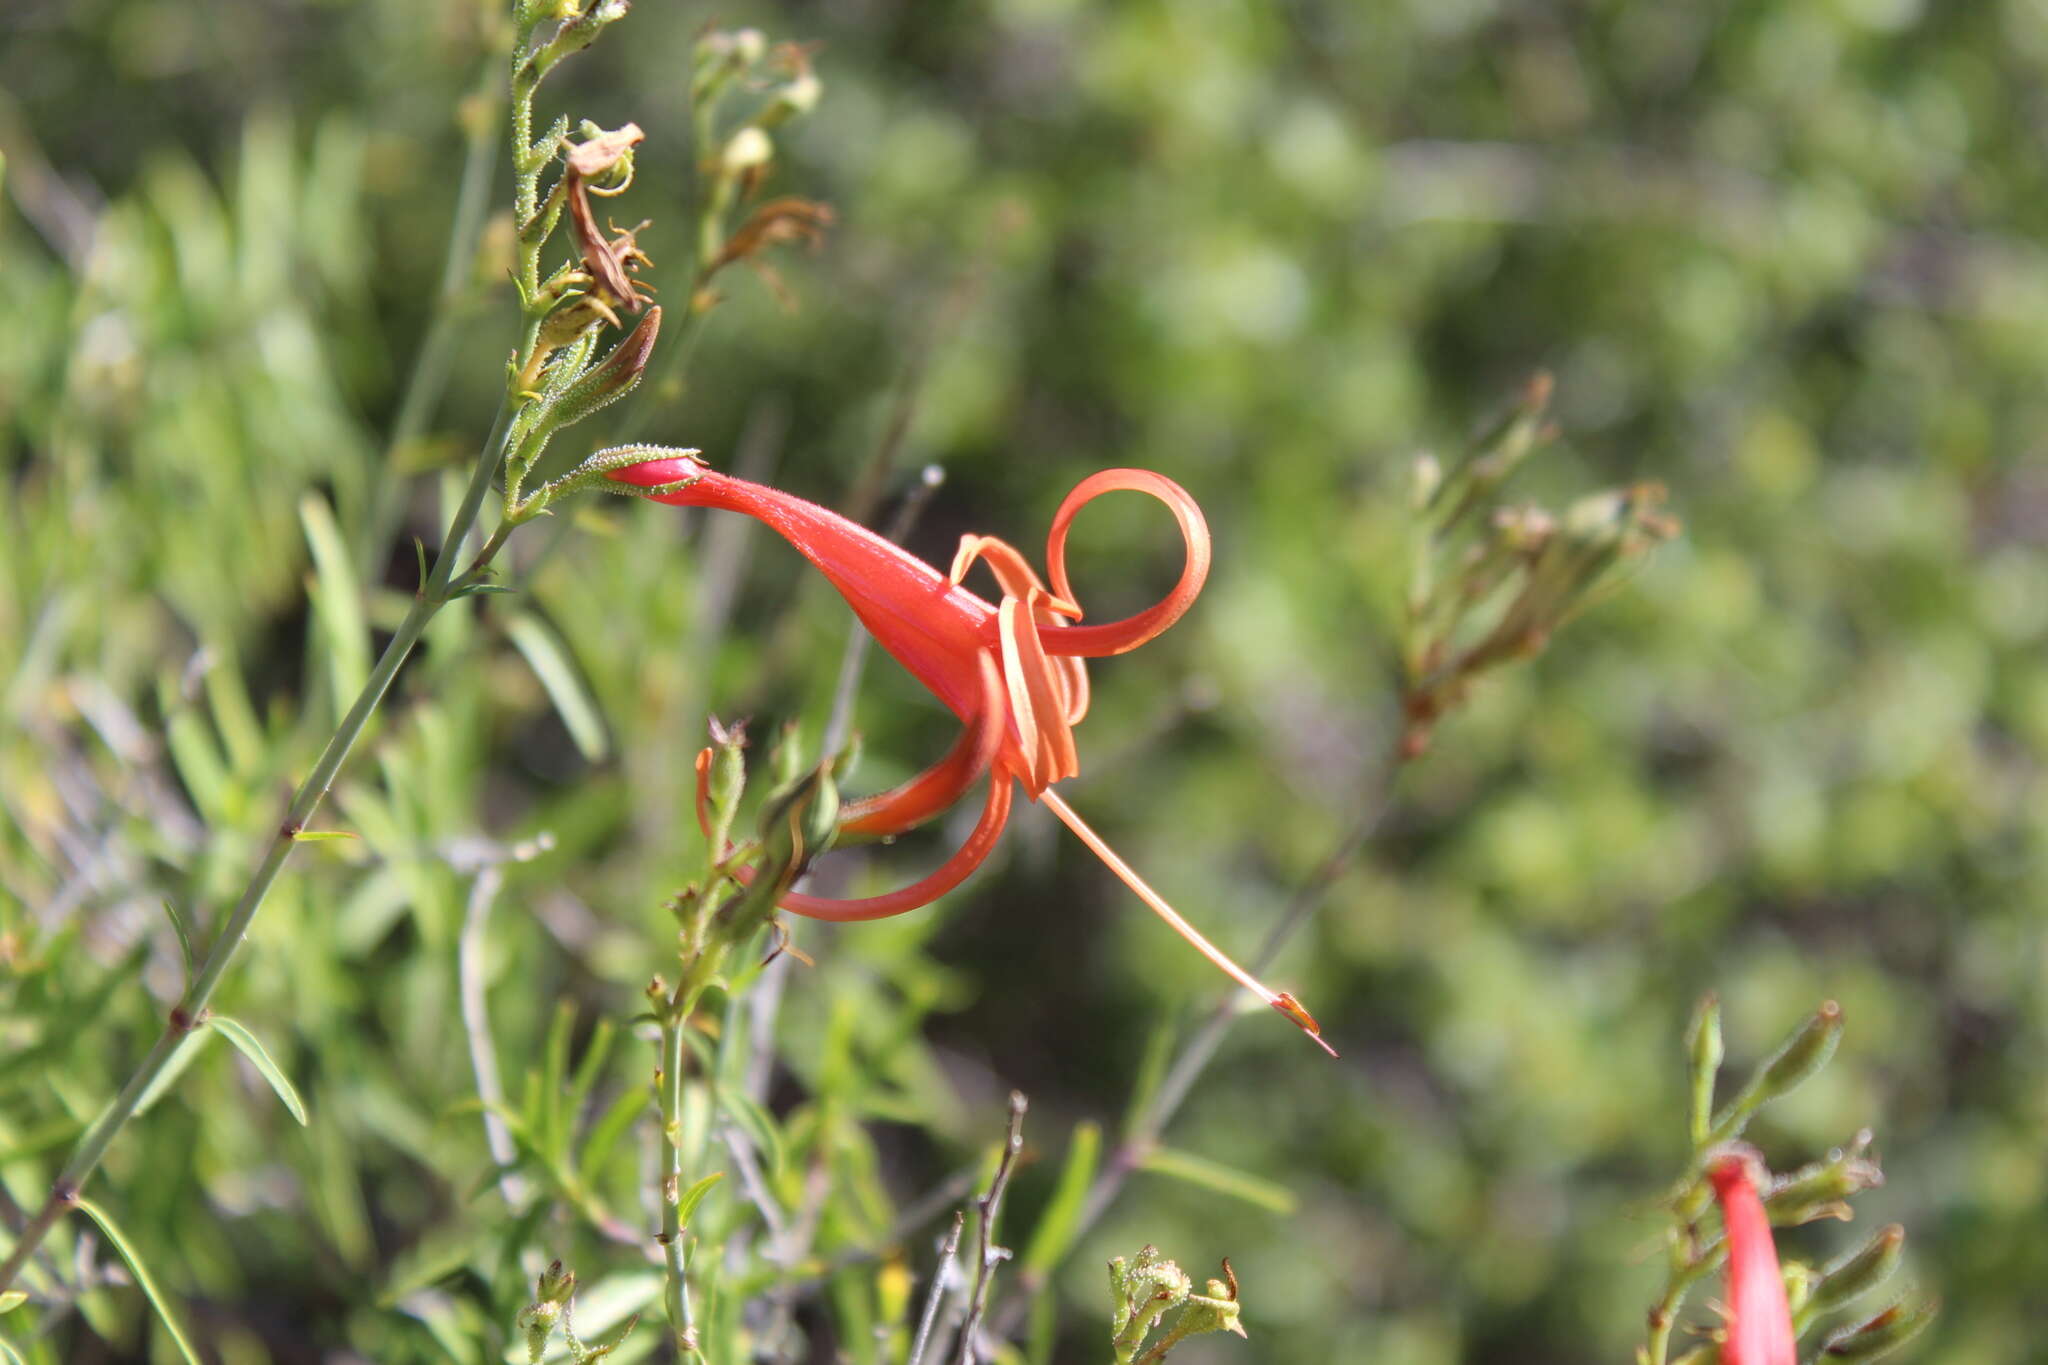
(35, 661)
(1151, 1073)
(452, 1324)
(533, 1106)
(187, 1052)
(234, 715)
(606, 1132)
(321, 836)
(1044, 1330)
(1054, 1235)
(184, 935)
(252, 1048)
(694, 1196)
(754, 1121)
(419, 553)
(1214, 1175)
(34, 1060)
(549, 660)
(47, 1137)
(194, 754)
(595, 1052)
(440, 1255)
(479, 590)
(337, 600)
(335, 1194)
(553, 1136)
(143, 1279)
(371, 909)
(13, 1299)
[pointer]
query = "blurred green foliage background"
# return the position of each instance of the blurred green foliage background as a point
(1782, 255)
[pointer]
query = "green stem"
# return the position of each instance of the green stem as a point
(676, 1292)
(190, 1011)
(1689, 1265)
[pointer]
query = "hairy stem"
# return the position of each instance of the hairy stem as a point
(669, 1088)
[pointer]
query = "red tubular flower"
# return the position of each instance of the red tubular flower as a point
(1759, 1328)
(1011, 670)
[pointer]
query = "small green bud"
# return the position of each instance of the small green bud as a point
(556, 1284)
(720, 56)
(1425, 477)
(1213, 1310)
(1704, 1052)
(610, 379)
(748, 149)
(799, 96)
(1524, 430)
(1524, 531)
(1883, 1334)
(794, 97)
(1861, 1270)
(1147, 1288)
(1818, 1190)
(786, 758)
(539, 1318)
(1804, 1053)
(728, 779)
(1799, 1278)
(1798, 1057)
(797, 823)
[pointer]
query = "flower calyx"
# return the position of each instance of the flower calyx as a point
(594, 475)
(1491, 583)
(1147, 1287)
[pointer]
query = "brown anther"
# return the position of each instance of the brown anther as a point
(1302, 1019)
(776, 222)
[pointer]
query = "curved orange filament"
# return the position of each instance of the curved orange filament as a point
(1279, 1000)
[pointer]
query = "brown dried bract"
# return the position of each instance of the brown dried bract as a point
(607, 260)
(778, 221)
(775, 223)
(599, 154)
